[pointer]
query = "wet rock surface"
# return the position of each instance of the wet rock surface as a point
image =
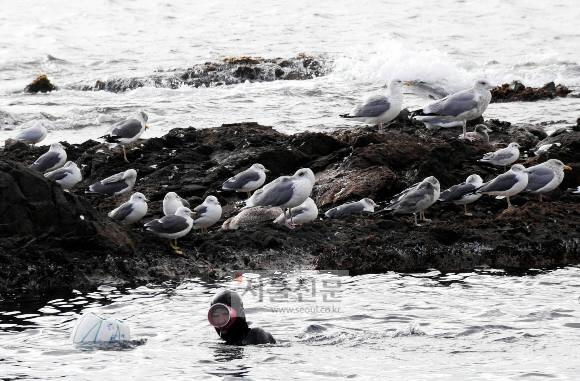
(517, 91)
(349, 164)
(40, 84)
(231, 70)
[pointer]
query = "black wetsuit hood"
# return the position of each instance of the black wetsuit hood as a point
(240, 329)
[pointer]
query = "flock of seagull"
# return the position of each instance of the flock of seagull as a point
(286, 200)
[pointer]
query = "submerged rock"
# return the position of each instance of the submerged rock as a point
(231, 70)
(349, 164)
(40, 84)
(516, 92)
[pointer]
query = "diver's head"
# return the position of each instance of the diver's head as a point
(227, 316)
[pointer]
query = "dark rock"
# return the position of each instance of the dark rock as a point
(349, 164)
(231, 70)
(516, 92)
(40, 84)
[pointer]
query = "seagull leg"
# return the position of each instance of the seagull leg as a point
(415, 217)
(291, 219)
(125, 154)
(381, 128)
(540, 197)
(465, 129)
(465, 210)
(249, 194)
(509, 202)
(423, 218)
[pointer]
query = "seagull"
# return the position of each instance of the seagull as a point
(116, 184)
(544, 148)
(505, 156)
(172, 227)
(356, 207)
(171, 202)
(33, 134)
(416, 199)
(127, 132)
(507, 184)
(207, 214)
(67, 176)
(131, 211)
(51, 160)
(285, 192)
(479, 134)
(379, 109)
(462, 194)
(546, 177)
(458, 107)
(251, 216)
(300, 215)
(248, 180)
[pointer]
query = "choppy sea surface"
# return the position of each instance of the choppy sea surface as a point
(472, 326)
(476, 326)
(445, 43)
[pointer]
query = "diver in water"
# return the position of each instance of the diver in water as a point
(228, 317)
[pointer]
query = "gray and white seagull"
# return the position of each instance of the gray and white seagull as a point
(462, 194)
(67, 176)
(507, 184)
(379, 109)
(171, 202)
(546, 177)
(248, 180)
(131, 211)
(416, 199)
(116, 184)
(285, 192)
(172, 227)
(365, 205)
(127, 132)
(300, 215)
(458, 107)
(51, 160)
(505, 156)
(33, 134)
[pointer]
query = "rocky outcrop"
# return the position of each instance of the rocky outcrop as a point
(349, 164)
(40, 84)
(231, 70)
(517, 92)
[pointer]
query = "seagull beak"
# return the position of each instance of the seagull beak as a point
(266, 170)
(567, 168)
(147, 126)
(146, 199)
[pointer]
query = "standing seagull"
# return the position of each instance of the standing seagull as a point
(285, 192)
(116, 184)
(207, 214)
(507, 184)
(51, 160)
(172, 227)
(67, 177)
(458, 107)
(131, 211)
(248, 180)
(364, 205)
(505, 156)
(416, 199)
(300, 215)
(546, 177)
(33, 134)
(171, 202)
(462, 194)
(379, 109)
(127, 132)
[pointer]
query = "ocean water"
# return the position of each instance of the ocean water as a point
(476, 326)
(472, 326)
(445, 43)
